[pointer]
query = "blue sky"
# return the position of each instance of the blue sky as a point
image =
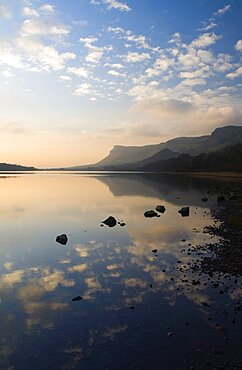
(79, 76)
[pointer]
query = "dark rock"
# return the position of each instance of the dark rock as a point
(160, 209)
(131, 307)
(76, 299)
(154, 250)
(204, 199)
(110, 221)
(221, 198)
(122, 224)
(151, 214)
(62, 239)
(184, 211)
(183, 240)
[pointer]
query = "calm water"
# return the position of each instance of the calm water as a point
(139, 311)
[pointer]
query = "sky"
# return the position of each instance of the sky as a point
(80, 76)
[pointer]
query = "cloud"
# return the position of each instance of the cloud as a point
(65, 78)
(30, 12)
(79, 71)
(235, 74)
(205, 40)
(114, 73)
(83, 89)
(134, 57)
(222, 10)
(113, 4)
(47, 9)
(193, 82)
(238, 45)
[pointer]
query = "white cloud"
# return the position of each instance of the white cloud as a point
(88, 40)
(176, 39)
(30, 12)
(193, 82)
(114, 73)
(238, 45)
(205, 40)
(236, 73)
(161, 65)
(83, 89)
(133, 57)
(47, 8)
(39, 28)
(65, 78)
(114, 65)
(114, 4)
(79, 71)
(222, 10)
(209, 26)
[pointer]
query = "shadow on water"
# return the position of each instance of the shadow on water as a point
(126, 297)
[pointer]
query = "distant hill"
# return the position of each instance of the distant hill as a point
(124, 155)
(226, 159)
(15, 167)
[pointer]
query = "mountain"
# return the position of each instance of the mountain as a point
(125, 155)
(15, 167)
(226, 159)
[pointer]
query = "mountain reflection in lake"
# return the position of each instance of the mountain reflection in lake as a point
(140, 309)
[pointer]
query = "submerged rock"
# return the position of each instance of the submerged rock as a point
(160, 209)
(204, 199)
(110, 221)
(151, 214)
(184, 211)
(62, 239)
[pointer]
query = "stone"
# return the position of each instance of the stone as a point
(160, 209)
(220, 198)
(62, 239)
(110, 221)
(76, 299)
(150, 214)
(184, 211)
(204, 199)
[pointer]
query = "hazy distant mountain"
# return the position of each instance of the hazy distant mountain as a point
(220, 138)
(15, 167)
(226, 159)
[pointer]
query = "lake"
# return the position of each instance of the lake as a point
(140, 309)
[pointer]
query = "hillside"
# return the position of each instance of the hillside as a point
(15, 167)
(226, 159)
(220, 138)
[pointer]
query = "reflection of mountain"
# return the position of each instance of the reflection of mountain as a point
(164, 186)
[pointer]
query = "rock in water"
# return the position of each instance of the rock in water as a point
(204, 199)
(76, 299)
(62, 239)
(110, 221)
(151, 214)
(184, 211)
(160, 209)
(220, 198)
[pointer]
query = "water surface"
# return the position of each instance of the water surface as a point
(140, 309)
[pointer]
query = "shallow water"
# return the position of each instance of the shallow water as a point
(140, 309)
